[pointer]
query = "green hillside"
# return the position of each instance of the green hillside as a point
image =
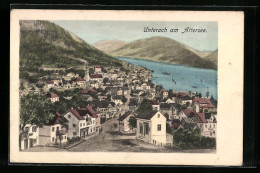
(45, 44)
(162, 49)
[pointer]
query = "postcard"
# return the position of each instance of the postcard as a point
(126, 87)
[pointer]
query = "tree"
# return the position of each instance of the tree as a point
(91, 71)
(199, 95)
(124, 99)
(22, 86)
(144, 106)
(105, 80)
(81, 73)
(187, 104)
(170, 93)
(35, 110)
(132, 122)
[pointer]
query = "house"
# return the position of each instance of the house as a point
(117, 100)
(166, 108)
(183, 100)
(203, 105)
(53, 97)
(124, 122)
(55, 131)
(98, 68)
(168, 101)
(155, 104)
(94, 84)
(164, 93)
(176, 125)
(88, 91)
(77, 124)
(93, 120)
(145, 86)
(78, 81)
(96, 77)
(207, 129)
(29, 137)
(50, 84)
(54, 83)
(151, 127)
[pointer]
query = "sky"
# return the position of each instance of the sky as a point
(93, 31)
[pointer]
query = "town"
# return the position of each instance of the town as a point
(109, 108)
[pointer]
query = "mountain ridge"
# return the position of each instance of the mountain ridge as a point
(163, 49)
(43, 43)
(109, 46)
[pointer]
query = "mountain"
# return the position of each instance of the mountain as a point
(45, 44)
(162, 49)
(109, 46)
(213, 57)
(201, 54)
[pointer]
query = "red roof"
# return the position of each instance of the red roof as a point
(163, 90)
(154, 102)
(180, 95)
(98, 66)
(188, 112)
(50, 82)
(175, 125)
(76, 114)
(205, 101)
(95, 76)
(85, 91)
(52, 95)
(202, 117)
(79, 79)
(92, 112)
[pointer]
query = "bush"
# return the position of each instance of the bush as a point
(191, 139)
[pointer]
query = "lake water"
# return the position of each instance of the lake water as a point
(187, 78)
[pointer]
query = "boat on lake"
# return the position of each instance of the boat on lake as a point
(165, 73)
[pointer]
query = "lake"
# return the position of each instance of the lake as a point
(187, 78)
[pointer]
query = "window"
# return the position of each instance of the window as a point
(158, 115)
(214, 125)
(206, 125)
(69, 116)
(159, 127)
(61, 138)
(74, 125)
(34, 129)
(65, 137)
(210, 126)
(90, 130)
(53, 129)
(57, 128)
(83, 124)
(74, 133)
(52, 139)
(80, 124)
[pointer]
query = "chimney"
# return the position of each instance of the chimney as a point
(197, 108)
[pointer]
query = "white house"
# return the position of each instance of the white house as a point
(77, 124)
(207, 129)
(151, 127)
(79, 81)
(96, 77)
(55, 131)
(31, 138)
(98, 68)
(124, 122)
(53, 97)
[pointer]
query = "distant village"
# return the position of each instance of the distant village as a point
(139, 107)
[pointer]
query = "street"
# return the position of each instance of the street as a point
(111, 140)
